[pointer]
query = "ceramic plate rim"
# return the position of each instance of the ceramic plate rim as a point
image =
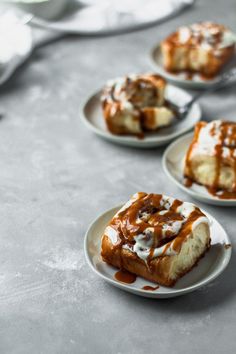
(151, 141)
(208, 199)
(145, 293)
(174, 79)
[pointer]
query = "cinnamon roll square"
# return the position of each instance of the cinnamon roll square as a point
(136, 104)
(156, 237)
(211, 157)
(202, 48)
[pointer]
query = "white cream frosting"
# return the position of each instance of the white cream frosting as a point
(184, 34)
(186, 209)
(118, 84)
(228, 39)
(143, 251)
(112, 234)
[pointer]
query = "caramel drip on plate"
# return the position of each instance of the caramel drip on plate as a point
(150, 288)
(125, 277)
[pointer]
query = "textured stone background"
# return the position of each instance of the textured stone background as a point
(56, 177)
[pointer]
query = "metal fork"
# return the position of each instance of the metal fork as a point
(182, 111)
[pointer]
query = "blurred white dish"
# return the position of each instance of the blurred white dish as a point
(173, 165)
(92, 115)
(113, 16)
(208, 268)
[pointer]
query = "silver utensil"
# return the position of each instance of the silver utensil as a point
(182, 111)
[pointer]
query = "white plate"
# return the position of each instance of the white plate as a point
(180, 79)
(208, 268)
(113, 16)
(173, 164)
(93, 117)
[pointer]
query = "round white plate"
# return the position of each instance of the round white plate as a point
(173, 164)
(179, 79)
(112, 16)
(93, 117)
(208, 268)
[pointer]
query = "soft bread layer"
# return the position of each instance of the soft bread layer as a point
(181, 58)
(192, 250)
(165, 270)
(202, 169)
(124, 122)
(157, 117)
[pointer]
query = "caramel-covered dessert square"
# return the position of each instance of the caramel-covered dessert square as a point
(211, 157)
(202, 48)
(136, 104)
(156, 237)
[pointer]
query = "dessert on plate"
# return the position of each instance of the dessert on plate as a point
(202, 48)
(135, 104)
(211, 157)
(156, 237)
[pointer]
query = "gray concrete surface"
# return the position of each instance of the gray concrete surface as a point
(56, 177)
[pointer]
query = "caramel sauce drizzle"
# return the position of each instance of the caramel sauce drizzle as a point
(227, 138)
(133, 221)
